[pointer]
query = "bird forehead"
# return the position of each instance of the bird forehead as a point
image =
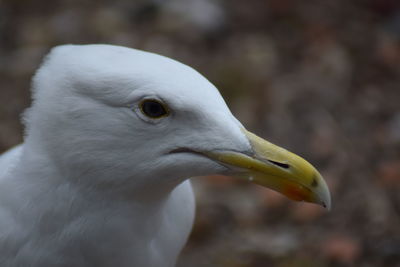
(106, 71)
(85, 60)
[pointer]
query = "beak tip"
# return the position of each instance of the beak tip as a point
(326, 199)
(327, 205)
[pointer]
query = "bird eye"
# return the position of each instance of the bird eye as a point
(153, 109)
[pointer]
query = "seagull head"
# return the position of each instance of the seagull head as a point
(112, 117)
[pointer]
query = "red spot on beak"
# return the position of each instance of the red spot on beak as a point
(297, 193)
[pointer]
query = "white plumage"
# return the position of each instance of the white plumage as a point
(97, 182)
(91, 184)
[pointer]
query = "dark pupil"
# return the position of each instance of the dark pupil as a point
(153, 109)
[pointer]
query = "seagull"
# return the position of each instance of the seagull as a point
(111, 138)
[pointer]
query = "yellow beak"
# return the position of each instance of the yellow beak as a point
(276, 168)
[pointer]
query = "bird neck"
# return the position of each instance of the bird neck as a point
(42, 168)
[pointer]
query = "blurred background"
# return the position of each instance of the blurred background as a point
(320, 78)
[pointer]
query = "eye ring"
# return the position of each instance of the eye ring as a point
(153, 108)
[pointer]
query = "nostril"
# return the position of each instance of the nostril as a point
(279, 164)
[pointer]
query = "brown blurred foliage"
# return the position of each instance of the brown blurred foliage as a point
(318, 77)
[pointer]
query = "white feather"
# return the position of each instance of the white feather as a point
(94, 183)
